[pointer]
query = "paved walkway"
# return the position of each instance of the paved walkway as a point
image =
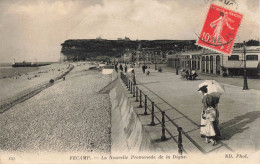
(239, 111)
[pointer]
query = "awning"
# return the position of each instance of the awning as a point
(240, 64)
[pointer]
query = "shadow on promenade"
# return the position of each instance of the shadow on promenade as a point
(238, 124)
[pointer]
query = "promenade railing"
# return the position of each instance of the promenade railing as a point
(148, 104)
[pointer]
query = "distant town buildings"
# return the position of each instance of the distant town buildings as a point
(182, 54)
(125, 39)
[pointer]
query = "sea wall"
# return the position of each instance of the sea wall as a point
(128, 134)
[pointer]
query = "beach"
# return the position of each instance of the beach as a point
(69, 115)
(14, 87)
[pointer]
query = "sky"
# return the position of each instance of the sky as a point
(32, 29)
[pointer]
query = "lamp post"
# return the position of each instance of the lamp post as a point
(176, 60)
(114, 60)
(245, 87)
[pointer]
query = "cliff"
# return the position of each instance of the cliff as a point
(92, 48)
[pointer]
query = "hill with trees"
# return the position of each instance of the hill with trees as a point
(82, 49)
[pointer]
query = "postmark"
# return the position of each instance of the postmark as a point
(227, 3)
(220, 29)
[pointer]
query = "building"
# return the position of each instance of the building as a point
(210, 62)
(127, 56)
(234, 64)
(149, 55)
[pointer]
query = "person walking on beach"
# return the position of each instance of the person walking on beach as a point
(209, 101)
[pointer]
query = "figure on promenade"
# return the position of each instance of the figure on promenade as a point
(133, 76)
(193, 74)
(116, 67)
(125, 68)
(209, 116)
(121, 67)
(210, 133)
(187, 74)
(147, 73)
(143, 68)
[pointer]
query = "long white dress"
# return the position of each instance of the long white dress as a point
(208, 102)
(210, 114)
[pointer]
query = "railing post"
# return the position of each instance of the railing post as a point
(133, 90)
(163, 138)
(131, 86)
(180, 146)
(145, 105)
(124, 78)
(140, 106)
(136, 94)
(152, 122)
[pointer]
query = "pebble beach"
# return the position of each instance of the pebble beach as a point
(15, 85)
(69, 116)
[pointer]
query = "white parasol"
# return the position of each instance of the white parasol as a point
(213, 87)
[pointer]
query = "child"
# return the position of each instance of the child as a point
(147, 73)
(210, 116)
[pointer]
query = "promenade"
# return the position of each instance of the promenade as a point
(239, 111)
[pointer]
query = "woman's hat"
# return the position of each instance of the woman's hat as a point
(203, 88)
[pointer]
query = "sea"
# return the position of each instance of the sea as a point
(6, 69)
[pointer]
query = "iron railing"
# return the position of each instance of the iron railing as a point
(148, 104)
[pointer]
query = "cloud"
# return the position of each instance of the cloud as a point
(35, 28)
(138, 20)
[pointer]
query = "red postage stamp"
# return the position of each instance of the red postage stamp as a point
(220, 29)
